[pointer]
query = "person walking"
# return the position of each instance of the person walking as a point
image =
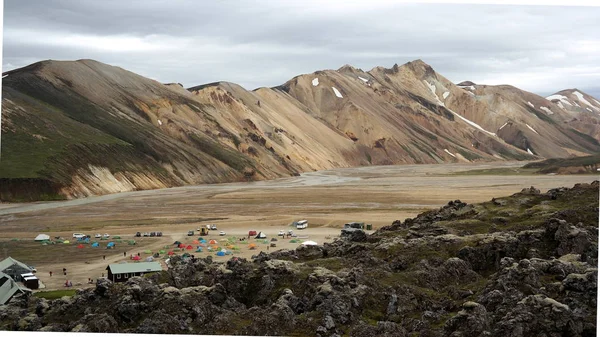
(51, 274)
(65, 271)
(124, 254)
(103, 257)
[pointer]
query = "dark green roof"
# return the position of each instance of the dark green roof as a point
(122, 268)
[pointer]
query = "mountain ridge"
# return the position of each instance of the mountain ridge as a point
(89, 128)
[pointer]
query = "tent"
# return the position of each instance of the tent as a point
(80, 246)
(67, 241)
(195, 242)
(189, 247)
(162, 251)
(95, 244)
(170, 253)
(309, 243)
(213, 242)
(136, 258)
(110, 245)
(176, 243)
(221, 253)
(252, 246)
(181, 245)
(149, 259)
(131, 242)
(42, 237)
(147, 251)
(261, 235)
(199, 249)
(273, 239)
(202, 240)
(116, 237)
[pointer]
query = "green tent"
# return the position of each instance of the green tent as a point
(116, 237)
(147, 252)
(162, 251)
(130, 242)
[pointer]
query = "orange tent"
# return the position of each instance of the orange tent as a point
(215, 247)
(252, 246)
(195, 242)
(213, 242)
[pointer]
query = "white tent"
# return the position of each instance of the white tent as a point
(309, 243)
(42, 237)
(261, 235)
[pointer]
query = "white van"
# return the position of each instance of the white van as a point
(78, 235)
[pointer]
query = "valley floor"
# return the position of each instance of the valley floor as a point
(328, 199)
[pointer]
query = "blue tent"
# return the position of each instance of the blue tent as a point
(199, 249)
(95, 244)
(221, 254)
(202, 240)
(110, 244)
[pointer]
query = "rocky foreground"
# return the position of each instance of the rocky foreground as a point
(523, 265)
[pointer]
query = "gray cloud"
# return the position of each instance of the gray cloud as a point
(541, 49)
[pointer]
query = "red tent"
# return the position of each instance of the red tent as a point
(189, 247)
(136, 258)
(80, 246)
(170, 253)
(181, 245)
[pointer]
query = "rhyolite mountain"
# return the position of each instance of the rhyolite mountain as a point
(78, 128)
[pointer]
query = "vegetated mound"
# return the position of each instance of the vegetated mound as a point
(505, 267)
(577, 165)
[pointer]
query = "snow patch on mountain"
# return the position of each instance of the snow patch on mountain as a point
(445, 95)
(548, 111)
(159, 122)
(532, 129)
(467, 87)
(531, 105)
(473, 123)
(529, 151)
(315, 82)
(363, 79)
(562, 98)
(503, 125)
(583, 100)
(337, 93)
(588, 109)
(432, 88)
(448, 152)
(561, 105)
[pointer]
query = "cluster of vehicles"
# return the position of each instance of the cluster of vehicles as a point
(148, 234)
(204, 230)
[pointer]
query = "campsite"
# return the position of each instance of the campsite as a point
(376, 195)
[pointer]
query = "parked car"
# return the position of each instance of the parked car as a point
(221, 233)
(158, 233)
(138, 234)
(152, 233)
(97, 236)
(146, 234)
(190, 233)
(106, 236)
(79, 236)
(281, 233)
(213, 227)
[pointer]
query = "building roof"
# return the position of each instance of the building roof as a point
(121, 268)
(9, 261)
(8, 288)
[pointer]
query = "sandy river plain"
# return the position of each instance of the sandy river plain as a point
(327, 199)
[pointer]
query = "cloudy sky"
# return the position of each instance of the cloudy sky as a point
(541, 49)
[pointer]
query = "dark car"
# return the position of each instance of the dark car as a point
(190, 233)
(138, 234)
(152, 233)
(158, 233)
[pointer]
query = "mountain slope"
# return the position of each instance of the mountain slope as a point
(73, 129)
